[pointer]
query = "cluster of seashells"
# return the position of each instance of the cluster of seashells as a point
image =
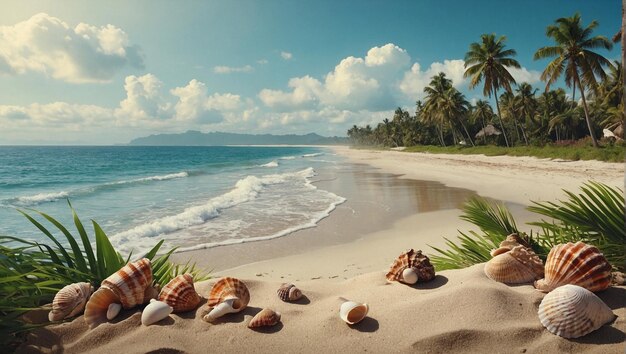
(570, 276)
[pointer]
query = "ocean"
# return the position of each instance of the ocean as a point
(192, 197)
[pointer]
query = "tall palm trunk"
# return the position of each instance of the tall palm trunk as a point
(624, 50)
(500, 118)
(466, 132)
(582, 95)
(524, 132)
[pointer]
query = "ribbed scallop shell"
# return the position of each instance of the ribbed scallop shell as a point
(70, 301)
(575, 263)
(129, 286)
(519, 265)
(180, 294)
(228, 288)
(267, 317)
(411, 259)
(289, 292)
(571, 311)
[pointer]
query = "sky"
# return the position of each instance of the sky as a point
(105, 72)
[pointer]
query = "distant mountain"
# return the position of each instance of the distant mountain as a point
(196, 138)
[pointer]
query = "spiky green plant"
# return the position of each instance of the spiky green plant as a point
(31, 273)
(596, 216)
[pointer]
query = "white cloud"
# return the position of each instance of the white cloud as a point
(232, 69)
(286, 55)
(524, 75)
(85, 53)
(305, 94)
(262, 61)
(414, 80)
(144, 99)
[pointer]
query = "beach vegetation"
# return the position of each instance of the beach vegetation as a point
(31, 272)
(595, 216)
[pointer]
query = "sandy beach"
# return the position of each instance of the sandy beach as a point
(417, 197)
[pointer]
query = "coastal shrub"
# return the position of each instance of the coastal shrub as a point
(31, 273)
(595, 216)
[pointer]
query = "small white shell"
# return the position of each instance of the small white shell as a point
(154, 312)
(113, 310)
(571, 311)
(353, 312)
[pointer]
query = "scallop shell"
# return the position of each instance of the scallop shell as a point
(267, 317)
(180, 294)
(416, 261)
(70, 301)
(578, 264)
(353, 312)
(129, 286)
(571, 311)
(289, 292)
(155, 312)
(519, 265)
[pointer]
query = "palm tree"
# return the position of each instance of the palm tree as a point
(525, 104)
(483, 112)
(488, 60)
(435, 91)
(574, 56)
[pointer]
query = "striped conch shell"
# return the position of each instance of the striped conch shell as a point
(519, 265)
(129, 286)
(267, 317)
(180, 294)
(228, 295)
(511, 241)
(289, 292)
(571, 311)
(575, 263)
(411, 267)
(70, 301)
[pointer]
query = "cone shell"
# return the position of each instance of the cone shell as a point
(267, 317)
(70, 301)
(411, 259)
(229, 288)
(571, 311)
(519, 265)
(289, 292)
(180, 294)
(575, 263)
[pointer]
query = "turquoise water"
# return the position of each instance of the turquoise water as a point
(193, 197)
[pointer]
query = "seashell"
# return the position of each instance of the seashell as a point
(70, 301)
(519, 265)
(129, 286)
(180, 294)
(571, 311)
(289, 292)
(353, 312)
(113, 310)
(228, 295)
(411, 267)
(267, 317)
(575, 263)
(511, 241)
(154, 312)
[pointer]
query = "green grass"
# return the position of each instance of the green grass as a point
(607, 153)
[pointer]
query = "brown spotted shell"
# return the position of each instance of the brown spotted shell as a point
(571, 311)
(267, 317)
(519, 265)
(129, 286)
(289, 292)
(70, 301)
(180, 294)
(411, 259)
(229, 288)
(575, 263)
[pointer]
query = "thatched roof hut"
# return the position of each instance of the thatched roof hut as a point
(488, 131)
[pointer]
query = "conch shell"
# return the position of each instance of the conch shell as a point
(154, 312)
(411, 267)
(289, 292)
(511, 241)
(571, 311)
(267, 317)
(518, 265)
(70, 301)
(180, 294)
(228, 295)
(575, 263)
(129, 286)
(353, 312)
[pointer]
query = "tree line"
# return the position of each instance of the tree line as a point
(522, 116)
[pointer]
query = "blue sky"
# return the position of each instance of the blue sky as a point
(87, 72)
